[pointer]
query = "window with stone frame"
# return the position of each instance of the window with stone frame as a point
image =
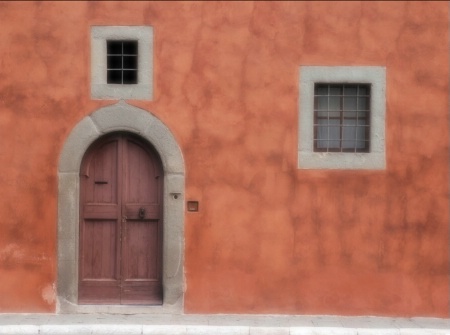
(122, 62)
(342, 116)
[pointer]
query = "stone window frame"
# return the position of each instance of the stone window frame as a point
(100, 89)
(120, 117)
(373, 75)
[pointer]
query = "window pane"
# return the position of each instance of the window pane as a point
(130, 47)
(361, 133)
(130, 77)
(114, 62)
(361, 144)
(130, 62)
(363, 103)
(334, 115)
(362, 122)
(327, 121)
(350, 90)
(322, 132)
(349, 122)
(363, 90)
(335, 89)
(321, 103)
(322, 144)
(334, 144)
(350, 103)
(334, 133)
(363, 115)
(322, 121)
(350, 115)
(114, 77)
(349, 133)
(348, 144)
(334, 122)
(334, 103)
(114, 47)
(321, 89)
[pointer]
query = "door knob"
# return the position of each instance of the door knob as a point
(141, 213)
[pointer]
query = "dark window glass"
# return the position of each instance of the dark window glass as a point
(114, 76)
(130, 47)
(122, 62)
(342, 117)
(114, 47)
(129, 77)
(130, 62)
(114, 62)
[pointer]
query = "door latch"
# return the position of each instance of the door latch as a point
(141, 213)
(124, 219)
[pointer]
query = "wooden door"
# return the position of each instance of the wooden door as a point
(120, 223)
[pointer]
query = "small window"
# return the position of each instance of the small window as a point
(341, 118)
(122, 62)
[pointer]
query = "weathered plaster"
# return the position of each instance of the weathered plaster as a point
(269, 237)
(120, 117)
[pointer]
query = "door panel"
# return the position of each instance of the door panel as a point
(101, 184)
(142, 175)
(101, 211)
(141, 251)
(120, 223)
(100, 243)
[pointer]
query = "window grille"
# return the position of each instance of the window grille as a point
(341, 117)
(122, 62)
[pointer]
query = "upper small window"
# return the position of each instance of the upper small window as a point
(122, 62)
(341, 118)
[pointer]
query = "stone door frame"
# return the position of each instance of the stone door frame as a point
(127, 118)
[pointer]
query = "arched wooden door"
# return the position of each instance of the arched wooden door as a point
(120, 223)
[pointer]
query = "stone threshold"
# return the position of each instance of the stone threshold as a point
(193, 324)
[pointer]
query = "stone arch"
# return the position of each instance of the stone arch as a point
(120, 117)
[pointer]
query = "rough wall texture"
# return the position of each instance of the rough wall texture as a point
(268, 238)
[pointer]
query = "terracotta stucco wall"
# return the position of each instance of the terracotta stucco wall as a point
(269, 238)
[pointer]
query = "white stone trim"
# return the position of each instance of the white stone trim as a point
(120, 117)
(220, 324)
(188, 329)
(373, 75)
(100, 89)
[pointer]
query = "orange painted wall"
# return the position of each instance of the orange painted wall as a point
(269, 238)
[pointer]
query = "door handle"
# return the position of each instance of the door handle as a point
(141, 213)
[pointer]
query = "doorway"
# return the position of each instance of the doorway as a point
(121, 228)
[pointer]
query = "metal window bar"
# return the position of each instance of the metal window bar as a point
(346, 113)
